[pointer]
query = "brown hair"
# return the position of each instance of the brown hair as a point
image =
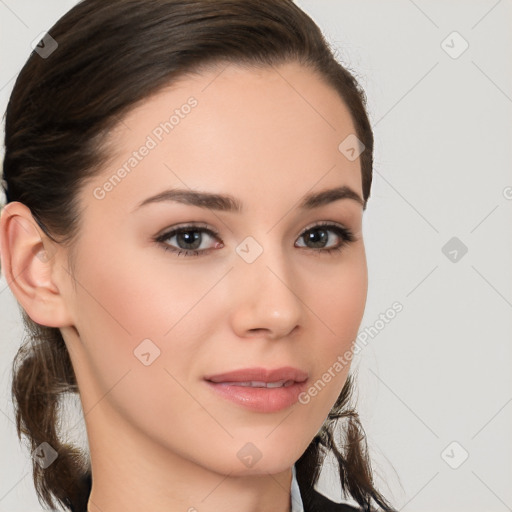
(111, 56)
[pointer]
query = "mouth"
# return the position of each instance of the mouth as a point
(256, 384)
(260, 389)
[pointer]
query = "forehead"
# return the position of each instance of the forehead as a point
(234, 129)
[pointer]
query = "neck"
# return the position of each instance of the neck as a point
(131, 473)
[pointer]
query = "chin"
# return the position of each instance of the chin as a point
(257, 459)
(260, 468)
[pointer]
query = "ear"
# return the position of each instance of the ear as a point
(29, 264)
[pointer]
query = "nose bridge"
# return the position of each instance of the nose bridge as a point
(267, 297)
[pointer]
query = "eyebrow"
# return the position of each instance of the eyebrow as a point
(228, 203)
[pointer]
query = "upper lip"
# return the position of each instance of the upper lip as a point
(285, 373)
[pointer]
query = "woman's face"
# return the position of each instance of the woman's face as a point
(258, 287)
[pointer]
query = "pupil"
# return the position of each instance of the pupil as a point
(188, 239)
(317, 239)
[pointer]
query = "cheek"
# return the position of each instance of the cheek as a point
(137, 299)
(338, 299)
(130, 313)
(128, 317)
(344, 300)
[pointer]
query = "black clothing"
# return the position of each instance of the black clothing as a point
(313, 501)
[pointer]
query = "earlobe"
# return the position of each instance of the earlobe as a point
(28, 263)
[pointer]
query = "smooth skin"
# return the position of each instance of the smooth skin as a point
(159, 438)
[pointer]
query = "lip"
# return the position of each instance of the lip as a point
(260, 374)
(260, 399)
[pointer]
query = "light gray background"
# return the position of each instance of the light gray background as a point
(439, 372)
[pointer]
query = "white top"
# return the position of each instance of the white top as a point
(296, 499)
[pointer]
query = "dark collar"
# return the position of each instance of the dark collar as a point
(319, 503)
(313, 501)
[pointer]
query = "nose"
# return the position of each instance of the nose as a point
(266, 298)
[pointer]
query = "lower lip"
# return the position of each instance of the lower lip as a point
(260, 399)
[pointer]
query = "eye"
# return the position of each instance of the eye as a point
(188, 239)
(318, 236)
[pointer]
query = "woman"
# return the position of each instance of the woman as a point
(185, 184)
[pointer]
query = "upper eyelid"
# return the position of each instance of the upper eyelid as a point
(206, 227)
(325, 223)
(201, 226)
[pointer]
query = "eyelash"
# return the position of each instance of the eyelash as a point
(344, 233)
